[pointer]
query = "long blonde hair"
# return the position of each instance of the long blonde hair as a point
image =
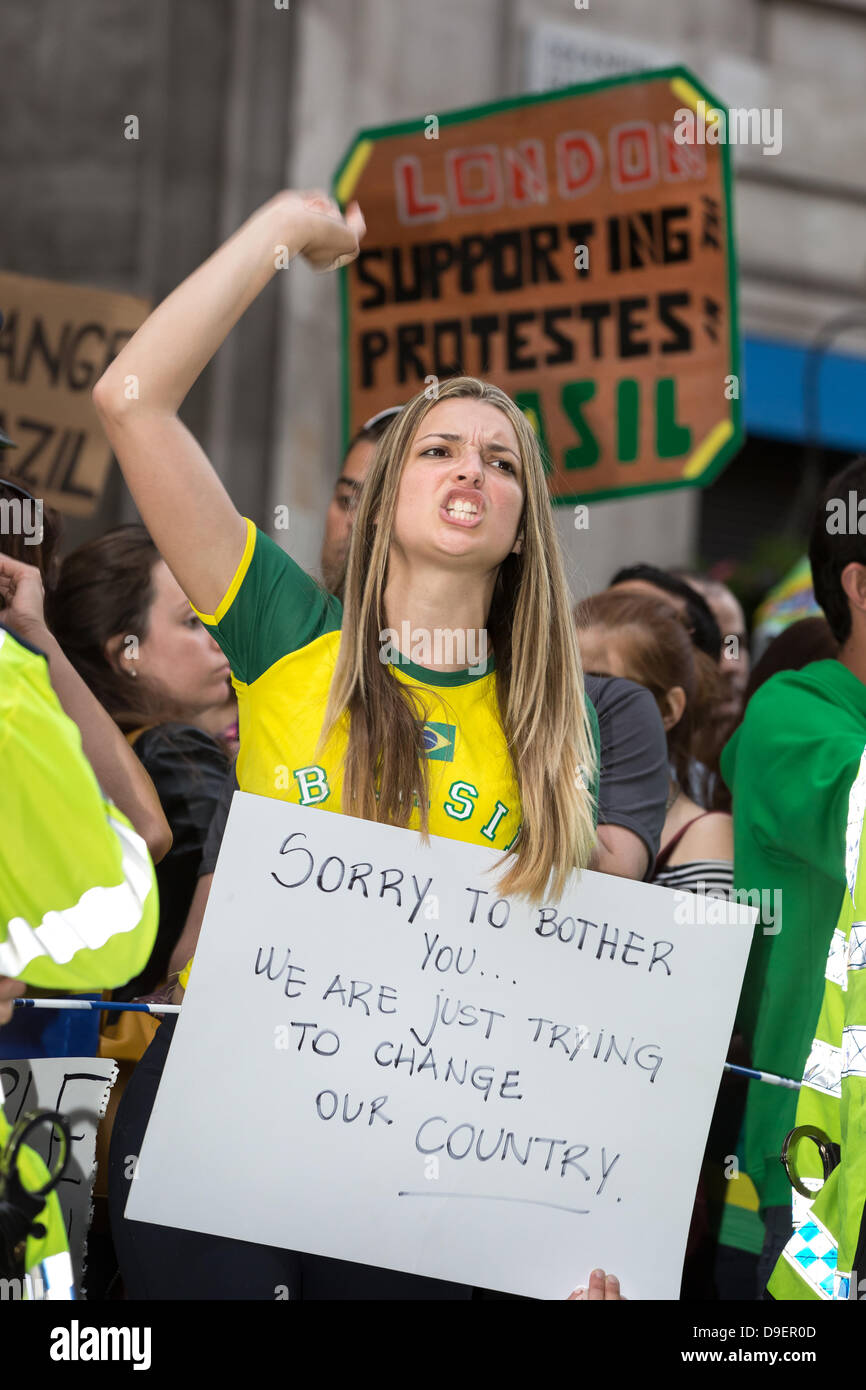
(539, 681)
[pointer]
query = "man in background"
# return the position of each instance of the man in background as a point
(790, 767)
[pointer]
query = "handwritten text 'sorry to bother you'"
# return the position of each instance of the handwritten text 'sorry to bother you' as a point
(380, 1059)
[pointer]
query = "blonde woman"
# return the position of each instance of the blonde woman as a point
(455, 637)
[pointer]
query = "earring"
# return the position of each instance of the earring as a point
(134, 675)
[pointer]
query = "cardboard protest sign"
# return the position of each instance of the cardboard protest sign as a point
(380, 1059)
(78, 1088)
(55, 342)
(571, 249)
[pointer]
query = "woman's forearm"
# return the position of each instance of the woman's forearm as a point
(118, 771)
(188, 939)
(182, 502)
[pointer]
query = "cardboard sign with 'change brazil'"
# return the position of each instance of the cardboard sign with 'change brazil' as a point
(576, 249)
(55, 342)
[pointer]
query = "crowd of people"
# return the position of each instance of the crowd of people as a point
(156, 669)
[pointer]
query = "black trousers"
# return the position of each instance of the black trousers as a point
(777, 1233)
(159, 1262)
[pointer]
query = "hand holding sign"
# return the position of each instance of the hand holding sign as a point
(600, 1286)
(10, 990)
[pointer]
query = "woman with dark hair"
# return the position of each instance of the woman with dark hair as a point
(122, 620)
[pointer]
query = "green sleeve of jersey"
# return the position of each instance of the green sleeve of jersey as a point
(791, 758)
(78, 897)
(272, 607)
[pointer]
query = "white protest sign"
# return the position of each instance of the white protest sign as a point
(381, 1060)
(78, 1088)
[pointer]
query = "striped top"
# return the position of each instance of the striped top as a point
(715, 876)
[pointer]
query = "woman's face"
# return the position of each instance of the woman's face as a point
(179, 657)
(462, 488)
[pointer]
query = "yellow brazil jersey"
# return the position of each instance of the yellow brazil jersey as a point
(281, 633)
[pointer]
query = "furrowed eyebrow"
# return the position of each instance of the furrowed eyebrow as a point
(348, 482)
(458, 439)
(502, 449)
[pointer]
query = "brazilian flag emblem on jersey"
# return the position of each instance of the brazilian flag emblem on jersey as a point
(438, 741)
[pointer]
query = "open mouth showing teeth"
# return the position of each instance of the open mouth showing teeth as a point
(459, 508)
